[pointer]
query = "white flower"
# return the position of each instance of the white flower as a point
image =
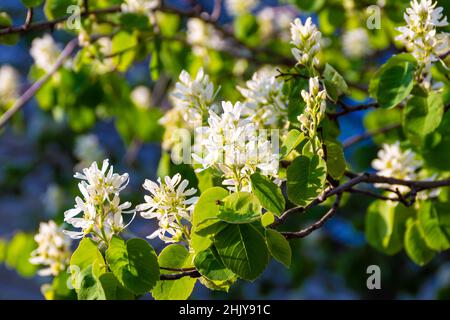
(239, 7)
(315, 109)
(356, 44)
(9, 85)
(202, 36)
(232, 145)
(139, 6)
(53, 249)
(420, 35)
(193, 97)
(306, 40)
(265, 102)
(45, 52)
(101, 209)
(141, 97)
(395, 163)
(172, 205)
(88, 149)
(104, 63)
(276, 21)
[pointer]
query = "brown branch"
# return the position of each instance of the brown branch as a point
(347, 109)
(176, 276)
(35, 87)
(366, 135)
(215, 15)
(305, 232)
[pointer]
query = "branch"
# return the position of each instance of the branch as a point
(346, 109)
(305, 232)
(366, 135)
(70, 47)
(176, 276)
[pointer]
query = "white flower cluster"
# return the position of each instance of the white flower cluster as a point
(53, 249)
(231, 144)
(276, 21)
(202, 36)
(9, 85)
(139, 6)
(101, 209)
(239, 7)
(315, 109)
(172, 205)
(265, 102)
(306, 39)
(395, 163)
(355, 43)
(45, 52)
(420, 35)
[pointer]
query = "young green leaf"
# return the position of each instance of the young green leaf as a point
(90, 287)
(134, 264)
(415, 245)
(434, 221)
(279, 247)
(334, 83)
(208, 205)
(243, 250)
(268, 193)
(174, 256)
(6, 21)
(239, 207)
(86, 254)
(209, 264)
(305, 179)
(293, 139)
(113, 289)
(336, 163)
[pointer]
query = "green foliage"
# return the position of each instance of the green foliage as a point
(242, 249)
(18, 253)
(246, 28)
(90, 286)
(208, 206)
(305, 179)
(278, 247)
(57, 8)
(174, 256)
(134, 263)
(239, 207)
(394, 81)
(6, 21)
(113, 289)
(434, 221)
(334, 83)
(268, 193)
(415, 245)
(123, 45)
(293, 139)
(336, 163)
(210, 265)
(32, 3)
(86, 254)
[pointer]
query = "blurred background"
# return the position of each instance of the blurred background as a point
(39, 156)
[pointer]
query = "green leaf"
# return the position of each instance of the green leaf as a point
(309, 5)
(58, 8)
(222, 285)
(434, 221)
(268, 193)
(334, 83)
(32, 3)
(305, 179)
(18, 254)
(293, 139)
(239, 207)
(246, 28)
(422, 116)
(3, 250)
(415, 245)
(174, 256)
(59, 289)
(208, 206)
(132, 21)
(243, 250)
(113, 289)
(134, 264)
(124, 49)
(394, 81)
(385, 226)
(267, 219)
(279, 247)
(336, 164)
(86, 254)
(209, 264)
(90, 287)
(6, 21)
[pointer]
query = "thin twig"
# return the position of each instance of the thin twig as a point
(366, 135)
(70, 47)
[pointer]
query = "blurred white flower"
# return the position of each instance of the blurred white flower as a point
(315, 109)
(231, 144)
(88, 149)
(265, 102)
(9, 85)
(239, 7)
(202, 36)
(393, 162)
(141, 97)
(139, 6)
(101, 209)
(104, 63)
(306, 40)
(53, 249)
(45, 52)
(276, 21)
(172, 205)
(53, 199)
(355, 43)
(420, 35)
